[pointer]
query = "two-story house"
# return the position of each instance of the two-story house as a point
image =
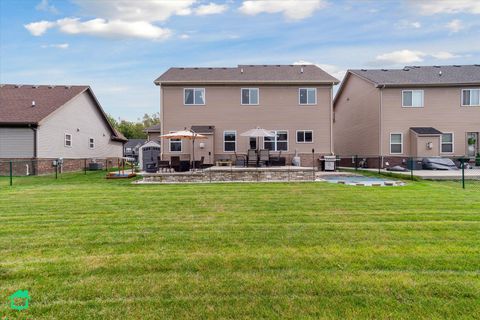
(293, 101)
(411, 112)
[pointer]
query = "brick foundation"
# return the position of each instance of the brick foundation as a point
(23, 167)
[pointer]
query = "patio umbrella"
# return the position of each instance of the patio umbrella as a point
(258, 133)
(185, 135)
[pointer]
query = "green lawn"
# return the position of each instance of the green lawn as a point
(90, 248)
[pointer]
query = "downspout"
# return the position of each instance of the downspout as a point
(331, 119)
(162, 140)
(380, 127)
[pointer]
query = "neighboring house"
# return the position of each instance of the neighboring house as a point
(409, 112)
(131, 148)
(50, 122)
(153, 132)
(294, 101)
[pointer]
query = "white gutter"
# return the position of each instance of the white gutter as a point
(331, 119)
(380, 146)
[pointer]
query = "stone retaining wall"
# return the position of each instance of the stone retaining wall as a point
(232, 176)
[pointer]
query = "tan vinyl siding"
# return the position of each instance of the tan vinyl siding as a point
(79, 113)
(356, 126)
(278, 109)
(16, 143)
(442, 110)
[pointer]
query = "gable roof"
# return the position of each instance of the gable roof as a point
(132, 143)
(422, 75)
(248, 74)
(416, 76)
(30, 104)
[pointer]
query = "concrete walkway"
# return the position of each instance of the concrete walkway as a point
(434, 174)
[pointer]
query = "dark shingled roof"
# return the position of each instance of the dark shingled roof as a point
(203, 129)
(425, 130)
(424, 75)
(16, 103)
(248, 74)
(154, 128)
(131, 143)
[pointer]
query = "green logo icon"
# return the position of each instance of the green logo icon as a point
(19, 295)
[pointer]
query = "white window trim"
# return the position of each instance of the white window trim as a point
(250, 104)
(305, 130)
(170, 145)
(195, 104)
(453, 142)
(412, 106)
(229, 141)
(65, 140)
(288, 141)
(468, 105)
(89, 143)
(401, 143)
(307, 104)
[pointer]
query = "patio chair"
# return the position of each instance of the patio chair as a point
(277, 160)
(163, 165)
(264, 157)
(240, 160)
(175, 163)
(199, 164)
(252, 158)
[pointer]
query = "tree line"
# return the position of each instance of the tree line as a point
(135, 129)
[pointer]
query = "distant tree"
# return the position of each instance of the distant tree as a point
(132, 129)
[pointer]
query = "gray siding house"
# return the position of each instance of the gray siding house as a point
(50, 122)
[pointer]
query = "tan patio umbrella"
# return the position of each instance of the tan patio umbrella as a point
(258, 133)
(185, 135)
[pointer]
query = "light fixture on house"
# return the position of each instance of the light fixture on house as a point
(202, 145)
(429, 145)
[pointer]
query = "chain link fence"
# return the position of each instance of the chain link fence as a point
(15, 170)
(464, 170)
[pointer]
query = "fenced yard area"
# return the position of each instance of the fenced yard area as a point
(90, 248)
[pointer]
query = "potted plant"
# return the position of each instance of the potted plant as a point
(477, 159)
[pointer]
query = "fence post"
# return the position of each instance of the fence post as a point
(462, 164)
(56, 170)
(379, 164)
(313, 165)
(11, 173)
(85, 166)
(356, 162)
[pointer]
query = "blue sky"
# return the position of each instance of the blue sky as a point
(120, 47)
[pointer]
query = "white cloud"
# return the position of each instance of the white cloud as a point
(444, 55)
(335, 71)
(39, 28)
(291, 9)
(455, 25)
(211, 8)
(405, 24)
(145, 10)
(410, 56)
(45, 6)
(58, 46)
(402, 56)
(113, 28)
(430, 7)
(184, 36)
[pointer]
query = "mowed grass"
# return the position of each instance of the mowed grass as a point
(90, 248)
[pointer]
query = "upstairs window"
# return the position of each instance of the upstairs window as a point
(91, 143)
(447, 142)
(68, 140)
(412, 98)
(250, 96)
(304, 136)
(471, 97)
(230, 141)
(194, 96)
(307, 95)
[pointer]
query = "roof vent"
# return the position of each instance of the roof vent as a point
(456, 65)
(68, 87)
(363, 69)
(436, 66)
(241, 70)
(301, 70)
(51, 86)
(33, 103)
(406, 69)
(210, 68)
(34, 86)
(440, 73)
(384, 69)
(477, 65)
(18, 86)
